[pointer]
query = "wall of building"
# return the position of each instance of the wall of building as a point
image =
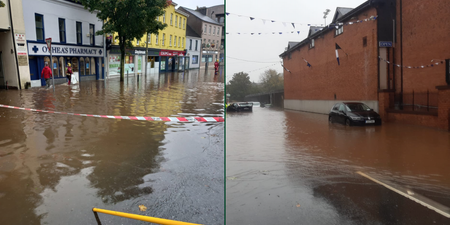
(19, 29)
(8, 59)
(4, 17)
(192, 52)
(52, 10)
(424, 29)
(355, 79)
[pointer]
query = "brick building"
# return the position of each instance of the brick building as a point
(393, 56)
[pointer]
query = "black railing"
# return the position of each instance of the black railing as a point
(416, 101)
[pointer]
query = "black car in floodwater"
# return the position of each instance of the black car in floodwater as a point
(353, 113)
(240, 107)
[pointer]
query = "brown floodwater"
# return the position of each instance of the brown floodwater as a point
(55, 168)
(289, 167)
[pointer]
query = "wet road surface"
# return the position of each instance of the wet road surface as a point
(55, 168)
(288, 167)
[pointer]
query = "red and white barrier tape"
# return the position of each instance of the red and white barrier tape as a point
(166, 119)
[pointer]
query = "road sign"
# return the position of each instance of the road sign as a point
(49, 43)
(385, 44)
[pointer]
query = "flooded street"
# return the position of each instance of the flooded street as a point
(289, 167)
(55, 168)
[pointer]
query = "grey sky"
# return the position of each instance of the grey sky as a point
(267, 47)
(192, 4)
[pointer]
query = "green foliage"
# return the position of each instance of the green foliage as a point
(271, 81)
(2, 4)
(239, 86)
(130, 19)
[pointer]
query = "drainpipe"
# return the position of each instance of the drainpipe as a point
(401, 55)
(14, 43)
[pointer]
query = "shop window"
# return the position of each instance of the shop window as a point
(74, 64)
(39, 21)
(79, 34)
(54, 67)
(88, 66)
(339, 30)
(62, 30)
(82, 67)
(195, 59)
(93, 66)
(92, 33)
(47, 60)
(364, 41)
(62, 68)
(203, 58)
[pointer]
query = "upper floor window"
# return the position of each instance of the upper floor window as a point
(196, 45)
(170, 40)
(163, 39)
(79, 33)
(190, 44)
(92, 33)
(176, 21)
(62, 30)
(39, 20)
(164, 18)
(214, 31)
(175, 41)
(339, 30)
(311, 45)
(171, 21)
(206, 29)
(156, 39)
(209, 29)
(149, 38)
(184, 23)
(182, 43)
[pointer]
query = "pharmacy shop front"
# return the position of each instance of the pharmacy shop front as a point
(86, 61)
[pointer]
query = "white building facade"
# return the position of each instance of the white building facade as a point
(193, 46)
(72, 30)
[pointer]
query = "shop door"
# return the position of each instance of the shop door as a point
(34, 72)
(2, 77)
(186, 64)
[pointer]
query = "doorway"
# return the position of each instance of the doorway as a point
(2, 77)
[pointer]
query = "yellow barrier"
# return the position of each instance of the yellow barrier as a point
(139, 217)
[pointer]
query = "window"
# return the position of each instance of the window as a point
(190, 44)
(171, 21)
(206, 28)
(163, 39)
(179, 41)
(175, 41)
(312, 44)
(182, 43)
(214, 31)
(156, 39)
(209, 29)
(92, 33)
(218, 31)
(39, 20)
(196, 45)
(164, 18)
(180, 23)
(137, 42)
(62, 30)
(170, 40)
(79, 34)
(447, 75)
(339, 30)
(184, 23)
(195, 59)
(149, 38)
(364, 41)
(176, 20)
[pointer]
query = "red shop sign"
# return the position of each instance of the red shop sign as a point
(171, 53)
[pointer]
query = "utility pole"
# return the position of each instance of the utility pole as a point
(146, 56)
(325, 14)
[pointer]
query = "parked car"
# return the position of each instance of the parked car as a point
(240, 106)
(256, 104)
(353, 113)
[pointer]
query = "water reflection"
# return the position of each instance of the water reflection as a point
(55, 168)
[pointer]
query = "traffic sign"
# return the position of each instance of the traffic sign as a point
(49, 43)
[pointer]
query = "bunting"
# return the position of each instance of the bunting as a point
(433, 63)
(371, 18)
(307, 63)
(263, 33)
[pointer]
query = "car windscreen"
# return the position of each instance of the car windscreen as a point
(355, 107)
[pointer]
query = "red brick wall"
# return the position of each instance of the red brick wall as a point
(355, 79)
(444, 109)
(423, 120)
(425, 37)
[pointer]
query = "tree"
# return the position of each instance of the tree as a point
(2, 4)
(130, 19)
(271, 81)
(239, 86)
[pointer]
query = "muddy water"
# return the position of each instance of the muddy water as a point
(287, 167)
(55, 168)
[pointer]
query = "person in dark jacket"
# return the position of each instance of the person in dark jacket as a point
(69, 72)
(46, 74)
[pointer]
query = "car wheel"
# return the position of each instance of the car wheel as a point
(348, 122)
(330, 119)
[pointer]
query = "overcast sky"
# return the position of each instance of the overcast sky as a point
(192, 4)
(267, 47)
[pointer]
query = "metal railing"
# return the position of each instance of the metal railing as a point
(416, 101)
(138, 217)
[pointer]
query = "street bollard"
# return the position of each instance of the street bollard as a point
(127, 74)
